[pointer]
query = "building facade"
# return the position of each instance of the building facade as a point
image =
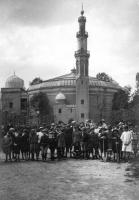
(76, 95)
(14, 101)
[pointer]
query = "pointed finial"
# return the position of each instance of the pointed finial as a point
(82, 11)
(14, 73)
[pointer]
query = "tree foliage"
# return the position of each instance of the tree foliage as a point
(40, 102)
(135, 99)
(137, 81)
(104, 77)
(36, 80)
(121, 99)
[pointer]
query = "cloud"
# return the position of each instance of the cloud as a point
(114, 38)
(37, 37)
(37, 12)
(52, 12)
(31, 52)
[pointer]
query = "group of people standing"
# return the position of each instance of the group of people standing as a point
(84, 140)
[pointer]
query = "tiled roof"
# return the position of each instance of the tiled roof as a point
(69, 80)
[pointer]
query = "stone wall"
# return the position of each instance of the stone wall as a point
(100, 101)
(11, 96)
(100, 104)
(63, 112)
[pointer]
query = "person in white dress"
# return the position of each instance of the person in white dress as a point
(39, 134)
(127, 138)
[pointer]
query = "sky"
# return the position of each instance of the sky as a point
(38, 38)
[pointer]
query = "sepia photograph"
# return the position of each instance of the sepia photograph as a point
(69, 99)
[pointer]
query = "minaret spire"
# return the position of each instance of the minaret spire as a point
(82, 54)
(82, 11)
(82, 75)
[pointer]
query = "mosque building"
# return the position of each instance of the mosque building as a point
(75, 95)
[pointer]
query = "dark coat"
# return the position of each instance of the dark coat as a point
(16, 144)
(34, 146)
(44, 141)
(61, 140)
(68, 136)
(24, 143)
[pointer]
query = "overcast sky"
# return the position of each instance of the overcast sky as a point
(38, 38)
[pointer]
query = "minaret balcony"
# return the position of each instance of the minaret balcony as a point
(82, 19)
(82, 52)
(82, 34)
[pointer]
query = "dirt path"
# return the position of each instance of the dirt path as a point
(69, 180)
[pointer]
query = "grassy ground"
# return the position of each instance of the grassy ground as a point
(68, 180)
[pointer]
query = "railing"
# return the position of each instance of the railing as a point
(82, 51)
(78, 34)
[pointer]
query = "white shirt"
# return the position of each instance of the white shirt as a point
(39, 134)
(126, 138)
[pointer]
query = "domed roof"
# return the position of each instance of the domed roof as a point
(69, 80)
(14, 82)
(60, 96)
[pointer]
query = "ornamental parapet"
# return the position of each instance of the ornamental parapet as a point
(82, 52)
(82, 34)
(82, 19)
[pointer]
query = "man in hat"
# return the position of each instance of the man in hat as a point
(68, 139)
(16, 145)
(39, 134)
(52, 140)
(60, 143)
(103, 124)
(33, 141)
(25, 144)
(11, 133)
(44, 143)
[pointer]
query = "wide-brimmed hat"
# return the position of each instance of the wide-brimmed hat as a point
(45, 130)
(11, 129)
(40, 128)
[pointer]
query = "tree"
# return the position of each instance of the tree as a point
(121, 99)
(137, 81)
(135, 99)
(40, 103)
(104, 77)
(36, 80)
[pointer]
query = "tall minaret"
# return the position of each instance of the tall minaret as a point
(82, 79)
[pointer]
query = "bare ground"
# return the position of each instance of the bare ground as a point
(69, 180)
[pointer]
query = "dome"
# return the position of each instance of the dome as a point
(69, 80)
(60, 97)
(14, 82)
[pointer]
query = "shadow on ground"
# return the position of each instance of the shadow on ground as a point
(132, 170)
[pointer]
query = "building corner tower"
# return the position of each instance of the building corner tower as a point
(82, 78)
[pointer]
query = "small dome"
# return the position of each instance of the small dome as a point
(60, 98)
(14, 82)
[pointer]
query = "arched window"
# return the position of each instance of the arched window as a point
(59, 110)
